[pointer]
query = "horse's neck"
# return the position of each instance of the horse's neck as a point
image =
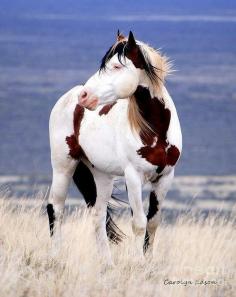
(159, 93)
(159, 113)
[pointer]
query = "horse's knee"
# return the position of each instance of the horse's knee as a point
(139, 224)
(56, 205)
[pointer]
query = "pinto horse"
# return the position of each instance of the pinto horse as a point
(122, 122)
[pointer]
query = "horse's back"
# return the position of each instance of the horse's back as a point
(65, 105)
(61, 123)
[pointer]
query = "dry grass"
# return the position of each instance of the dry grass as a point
(187, 251)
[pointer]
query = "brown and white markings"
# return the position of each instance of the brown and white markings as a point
(122, 122)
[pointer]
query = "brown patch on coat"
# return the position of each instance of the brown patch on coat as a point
(75, 150)
(172, 155)
(156, 149)
(106, 108)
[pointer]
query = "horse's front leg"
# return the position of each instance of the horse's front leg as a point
(104, 186)
(160, 189)
(139, 220)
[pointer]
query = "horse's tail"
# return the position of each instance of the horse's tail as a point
(85, 183)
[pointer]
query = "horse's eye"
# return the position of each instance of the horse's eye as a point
(117, 66)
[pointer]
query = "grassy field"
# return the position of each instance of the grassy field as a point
(192, 258)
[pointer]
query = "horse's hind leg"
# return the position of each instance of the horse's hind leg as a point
(160, 189)
(57, 196)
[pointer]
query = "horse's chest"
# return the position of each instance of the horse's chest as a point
(98, 142)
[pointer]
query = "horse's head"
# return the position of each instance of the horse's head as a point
(126, 65)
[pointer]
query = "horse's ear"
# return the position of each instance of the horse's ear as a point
(120, 37)
(133, 52)
(131, 41)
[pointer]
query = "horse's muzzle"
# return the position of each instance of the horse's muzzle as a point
(87, 99)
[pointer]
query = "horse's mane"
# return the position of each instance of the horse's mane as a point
(156, 67)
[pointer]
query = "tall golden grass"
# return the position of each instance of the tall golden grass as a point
(187, 253)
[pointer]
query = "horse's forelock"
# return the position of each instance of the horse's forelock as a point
(117, 48)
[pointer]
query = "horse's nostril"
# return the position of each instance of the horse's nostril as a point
(84, 94)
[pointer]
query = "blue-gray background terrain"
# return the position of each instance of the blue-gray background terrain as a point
(47, 47)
